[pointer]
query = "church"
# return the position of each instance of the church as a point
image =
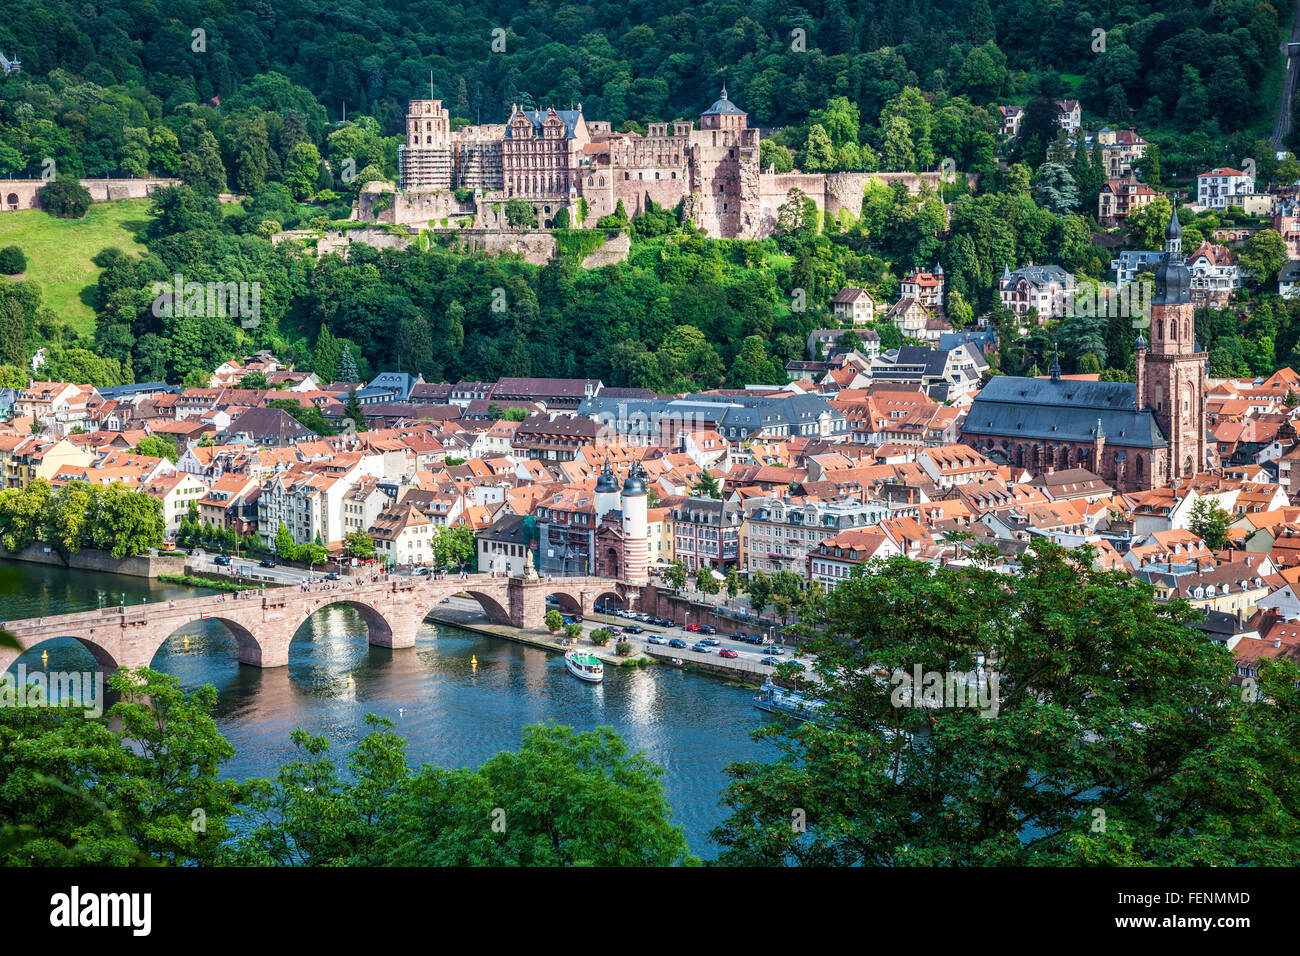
(1137, 436)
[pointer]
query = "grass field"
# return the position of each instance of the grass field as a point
(59, 252)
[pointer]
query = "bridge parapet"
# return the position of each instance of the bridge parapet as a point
(265, 623)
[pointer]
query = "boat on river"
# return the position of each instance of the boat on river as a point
(781, 700)
(584, 666)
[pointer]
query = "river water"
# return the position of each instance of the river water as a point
(451, 712)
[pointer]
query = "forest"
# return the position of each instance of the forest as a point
(294, 106)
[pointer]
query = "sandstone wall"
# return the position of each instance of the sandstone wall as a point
(21, 193)
(142, 566)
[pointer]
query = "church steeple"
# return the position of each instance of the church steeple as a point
(1174, 235)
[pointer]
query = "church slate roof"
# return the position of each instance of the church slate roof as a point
(1039, 409)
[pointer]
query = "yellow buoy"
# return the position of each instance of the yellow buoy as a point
(349, 678)
(45, 657)
(473, 661)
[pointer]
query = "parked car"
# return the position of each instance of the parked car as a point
(266, 563)
(727, 652)
(566, 619)
(423, 571)
(668, 622)
(737, 636)
(656, 639)
(633, 629)
(222, 559)
(701, 648)
(690, 627)
(676, 642)
(708, 629)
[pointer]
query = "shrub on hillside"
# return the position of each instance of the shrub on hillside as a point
(12, 260)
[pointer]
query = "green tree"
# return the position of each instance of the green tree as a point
(520, 214)
(675, 575)
(64, 197)
(1095, 698)
(566, 798)
(358, 544)
(1264, 256)
(126, 522)
(1209, 522)
(759, 589)
(554, 620)
(12, 260)
(706, 581)
(158, 446)
(302, 171)
(706, 485)
(119, 789)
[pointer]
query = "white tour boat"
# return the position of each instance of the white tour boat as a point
(584, 666)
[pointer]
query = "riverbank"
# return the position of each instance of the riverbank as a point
(212, 583)
(542, 640)
(102, 562)
(736, 671)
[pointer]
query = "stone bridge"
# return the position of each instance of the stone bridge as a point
(264, 622)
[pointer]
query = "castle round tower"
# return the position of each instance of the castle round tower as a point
(636, 528)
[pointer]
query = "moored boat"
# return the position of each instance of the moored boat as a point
(584, 666)
(780, 700)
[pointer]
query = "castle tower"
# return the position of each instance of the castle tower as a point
(1172, 374)
(607, 499)
(636, 528)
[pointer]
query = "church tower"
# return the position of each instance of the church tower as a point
(1171, 375)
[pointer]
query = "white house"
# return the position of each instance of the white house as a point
(1214, 188)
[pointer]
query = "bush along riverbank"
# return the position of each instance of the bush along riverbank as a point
(202, 581)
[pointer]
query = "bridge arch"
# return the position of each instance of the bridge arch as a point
(30, 656)
(609, 599)
(378, 628)
(248, 647)
(496, 612)
(565, 602)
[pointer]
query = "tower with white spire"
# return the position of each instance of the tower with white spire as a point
(636, 527)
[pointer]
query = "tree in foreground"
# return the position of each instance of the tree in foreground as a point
(564, 798)
(1111, 735)
(139, 785)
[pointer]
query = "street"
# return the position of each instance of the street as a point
(248, 569)
(468, 609)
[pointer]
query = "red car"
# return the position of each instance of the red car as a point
(690, 627)
(727, 652)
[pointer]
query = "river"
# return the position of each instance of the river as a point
(451, 712)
